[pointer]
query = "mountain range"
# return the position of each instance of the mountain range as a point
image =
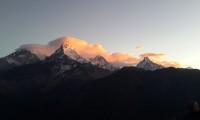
(65, 85)
(23, 57)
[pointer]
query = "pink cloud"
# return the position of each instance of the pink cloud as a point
(155, 56)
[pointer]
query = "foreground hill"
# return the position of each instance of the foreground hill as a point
(33, 92)
(132, 93)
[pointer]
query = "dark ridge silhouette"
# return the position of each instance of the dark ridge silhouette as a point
(88, 92)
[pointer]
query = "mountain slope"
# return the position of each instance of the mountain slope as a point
(19, 57)
(147, 64)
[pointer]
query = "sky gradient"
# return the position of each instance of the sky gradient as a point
(170, 27)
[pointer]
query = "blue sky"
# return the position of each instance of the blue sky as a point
(170, 27)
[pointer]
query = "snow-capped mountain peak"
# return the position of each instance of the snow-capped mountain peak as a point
(102, 63)
(69, 51)
(146, 59)
(98, 60)
(19, 57)
(147, 64)
(66, 52)
(59, 51)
